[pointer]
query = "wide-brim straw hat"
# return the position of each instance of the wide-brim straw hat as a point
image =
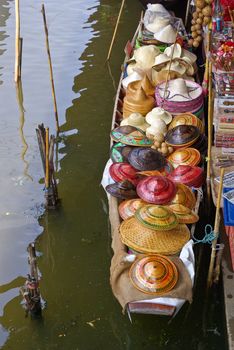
(192, 57)
(137, 120)
(180, 90)
(135, 76)
(156, 217)
(153, 274)
(146, 159)
(160, 113)
(119, 152)
(186, 156)
(166, 34)
(176, 53)
(161, 59)
(128, 207)
(145, 55)
(184, 214)
(156, 189)
(176, 66)
(144, 240)
(182, 136)
(123, 190)
(186, 119)
(184, 195)
(130, 135)
(160, 77)
(123, 171)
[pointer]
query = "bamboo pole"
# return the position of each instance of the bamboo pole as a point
(17, 40)
(216, 231)
(47, 172)
(210, 121)
(20, 55)
(51, 68)
(206, 73)
(115, 30)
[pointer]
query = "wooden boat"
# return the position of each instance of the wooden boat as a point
(156, 306)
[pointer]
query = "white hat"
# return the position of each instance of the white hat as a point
(158, 113)
(189, 65)
(190, 55)
(158, 126)
(162, 58)
(157, 8)
(145, 55)
(157, 24)
(137, 120)
(177, 50)
(130, 78)
(166, 35)
(180, 90)
(176, 67)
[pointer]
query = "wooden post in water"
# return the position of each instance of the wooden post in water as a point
(46, 146)
(30, 291)
(17, 41)
(115, 30)
(51, 68)
(216, 230)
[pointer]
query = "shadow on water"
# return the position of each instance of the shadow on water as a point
(74, 247)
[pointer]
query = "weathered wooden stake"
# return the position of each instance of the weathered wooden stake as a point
(47, 173)
(115, 30)
(51, 68)
(17, 41)
(30, 291)
(216, 231)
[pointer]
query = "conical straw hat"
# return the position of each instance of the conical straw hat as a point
(166, 35)
(128, 207)
(145, 240)
(156, 217)
(186, 119)
(184, 214)
(142, 158)
(153, 274)
(185, 196)
(185, 156)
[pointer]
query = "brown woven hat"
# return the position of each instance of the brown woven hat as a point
(142, 158)
(123, 190)
(144, 240)
(186, 119)
(157, 217)
(137, 102)
(185, 156)
(185, 196)
(153, 274)
(184, 214)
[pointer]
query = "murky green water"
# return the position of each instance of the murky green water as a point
(74, 241)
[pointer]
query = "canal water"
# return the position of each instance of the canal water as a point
(73, 242)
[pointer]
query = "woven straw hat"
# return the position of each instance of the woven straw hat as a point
(158, 113)
(166, 35)
(153, 274)
(128, 207)
(157, 24)
(137, 102)
(123, 171)
(192, 176)
(123, 190)
(161, 59)
(185, 156)
(129, 135)
(145, 55)
(156, 217)
(130, 78)
(156, 189)
(186, 119)
(144, 240)
(180, 90)
(137, 120)
(184, 214)
(182, 136)
(177, 50)
(146, 85)
(119, 152)
(142, 158)
(158, 126)
(184, 196)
